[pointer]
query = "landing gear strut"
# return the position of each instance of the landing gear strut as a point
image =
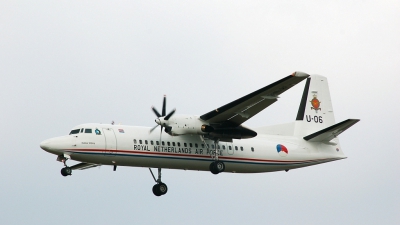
(159, 188)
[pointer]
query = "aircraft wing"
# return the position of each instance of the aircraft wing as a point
(237, 112)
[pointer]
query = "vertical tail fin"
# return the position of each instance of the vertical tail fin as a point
(315, 110)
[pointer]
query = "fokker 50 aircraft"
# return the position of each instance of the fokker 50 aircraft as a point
(215, 141)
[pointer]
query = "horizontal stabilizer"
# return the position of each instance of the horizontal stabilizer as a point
(83, 166)
(331, 132)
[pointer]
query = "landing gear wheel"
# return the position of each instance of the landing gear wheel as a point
(213, 169)
(220, 166)
(217, 167)
(155, 190)
(160, 189)
(66, 171)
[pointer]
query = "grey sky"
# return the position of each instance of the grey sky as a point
(63, 63)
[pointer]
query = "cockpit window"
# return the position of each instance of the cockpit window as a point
(76, 131)
(88, 130)
(97, 131)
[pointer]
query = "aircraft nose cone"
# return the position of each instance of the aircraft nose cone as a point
(45, 145)
(53, 145)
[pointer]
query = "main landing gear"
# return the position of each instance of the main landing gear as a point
(159, 188)
(217, 166)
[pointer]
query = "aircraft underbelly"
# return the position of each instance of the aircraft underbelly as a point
(233, 164)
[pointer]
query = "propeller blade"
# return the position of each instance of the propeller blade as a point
(169, 114)
(161, 134)
(164, 105)
(155, 111)
(153, 128)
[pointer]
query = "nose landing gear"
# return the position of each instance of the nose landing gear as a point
(66, 171)
(160, 188)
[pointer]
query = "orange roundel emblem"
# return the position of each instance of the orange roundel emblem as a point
(315, 103)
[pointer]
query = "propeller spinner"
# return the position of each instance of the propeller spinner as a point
(162, 118)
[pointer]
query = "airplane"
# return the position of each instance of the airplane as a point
(216, 141)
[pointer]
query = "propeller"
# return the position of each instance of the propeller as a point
(161, 118)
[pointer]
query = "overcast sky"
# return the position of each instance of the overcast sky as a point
(63, 63)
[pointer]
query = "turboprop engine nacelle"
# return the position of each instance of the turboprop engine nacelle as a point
(186, 124)
(206, 128)
(235, 133)
(182, 125)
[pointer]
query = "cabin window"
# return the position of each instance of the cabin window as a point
(168, 143)
(146, 142)
(223, 147)
(230, 147)
(157, 143)
(87, 130)
(241, 148)
(196, 145)
(151, 142)
(212, 146)
(190, 144)
(173, 143)
(184, 144)
(252, 149)
(218, 146)
(140, 141)
(236, 148)
(134, 141)
(202, 145)
(163, 143)
(179, 144)
(74, 131)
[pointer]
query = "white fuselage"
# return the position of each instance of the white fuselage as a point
(135, 146)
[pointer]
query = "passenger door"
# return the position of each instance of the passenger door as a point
(111, 142)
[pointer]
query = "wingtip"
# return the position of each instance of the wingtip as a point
(300, 74)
